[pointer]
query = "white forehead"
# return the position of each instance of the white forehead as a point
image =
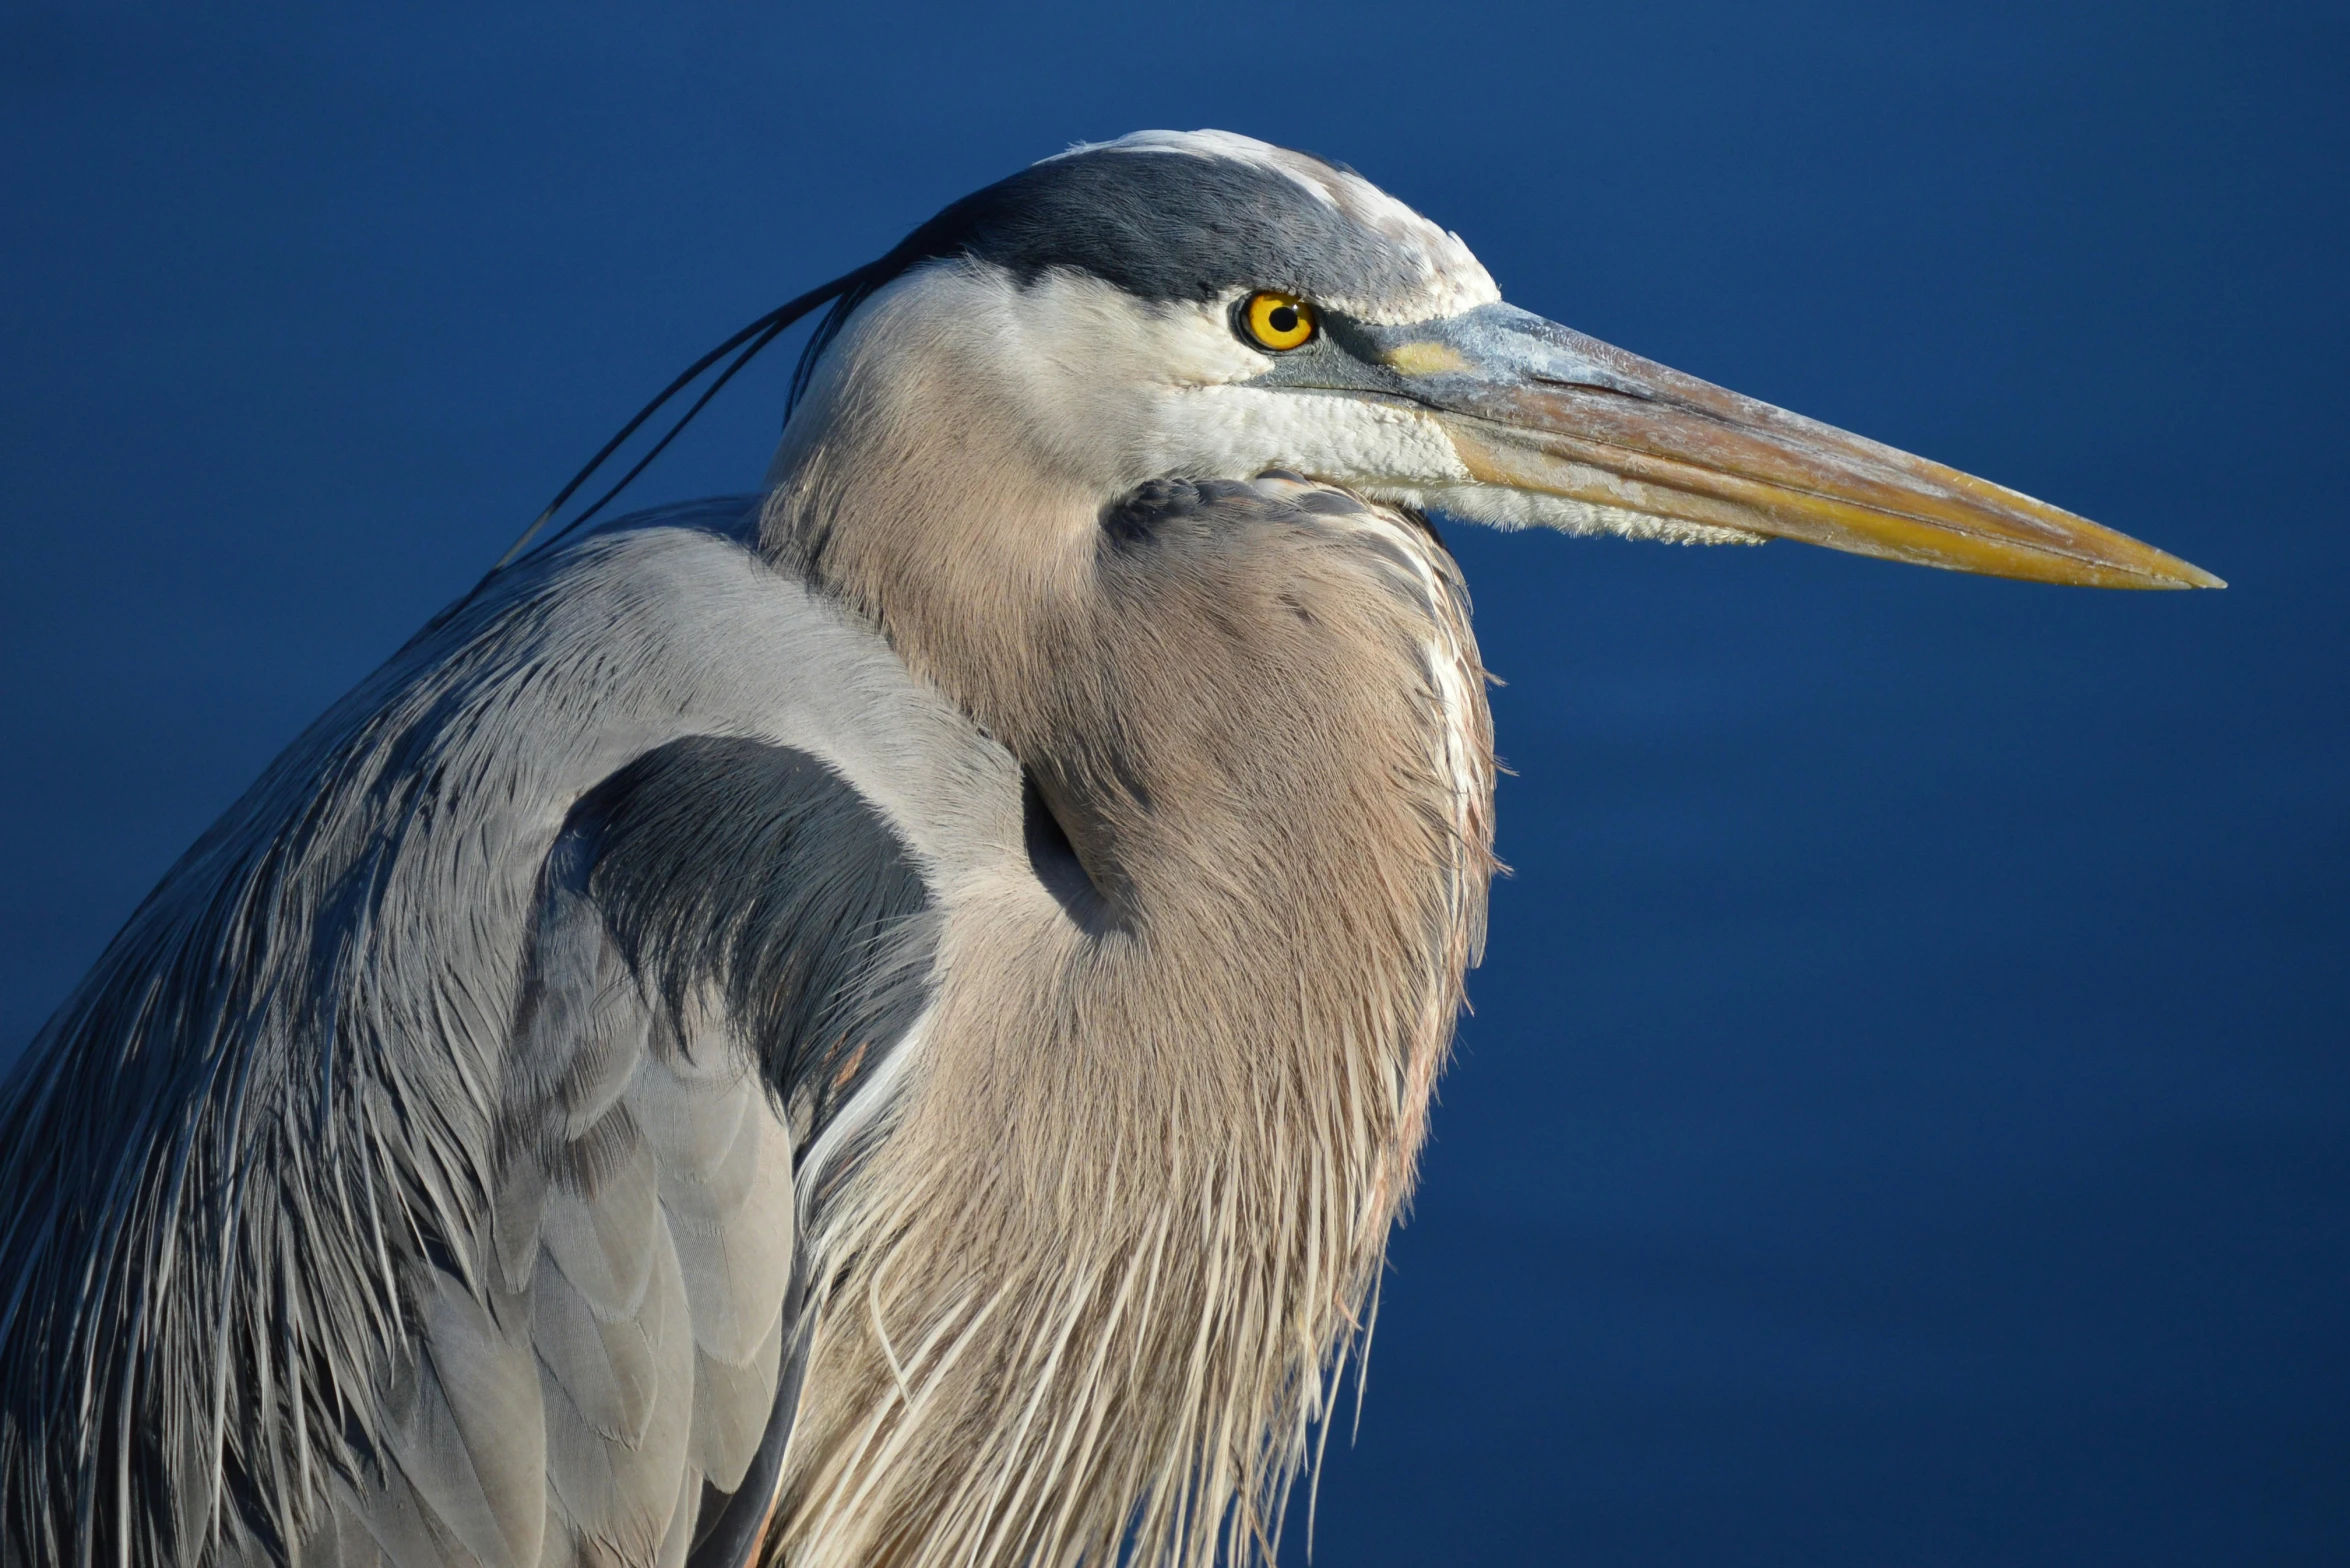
(1451, 278)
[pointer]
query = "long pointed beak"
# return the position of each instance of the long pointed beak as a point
(1539, 409)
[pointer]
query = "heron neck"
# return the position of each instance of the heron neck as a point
(1152, 1153)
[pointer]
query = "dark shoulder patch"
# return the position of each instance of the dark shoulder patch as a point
(758, 867)
(1155, 505)
(1158, 509)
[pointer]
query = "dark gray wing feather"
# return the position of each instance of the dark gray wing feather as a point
(722, 923)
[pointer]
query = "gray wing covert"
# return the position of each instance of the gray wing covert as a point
(729, 942)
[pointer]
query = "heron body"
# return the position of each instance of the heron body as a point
(885, 1021)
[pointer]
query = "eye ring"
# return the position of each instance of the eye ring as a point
(1270, 319)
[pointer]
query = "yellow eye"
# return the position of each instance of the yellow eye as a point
(1277, 321)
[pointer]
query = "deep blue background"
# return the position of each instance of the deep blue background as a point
(1904, 1120)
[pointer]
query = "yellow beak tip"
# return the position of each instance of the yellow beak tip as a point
(2168, 571)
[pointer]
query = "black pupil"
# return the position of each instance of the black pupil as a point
(1283, 319)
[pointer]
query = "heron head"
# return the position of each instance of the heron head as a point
(1205, 305)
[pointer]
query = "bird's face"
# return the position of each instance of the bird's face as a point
(1204, 305)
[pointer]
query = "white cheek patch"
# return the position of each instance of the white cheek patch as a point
(1090, 334)
(1090, 371)
(1195, 346)
(1240, 431)
(1125, 391)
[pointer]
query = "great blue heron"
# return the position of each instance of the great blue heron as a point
(885, 1021)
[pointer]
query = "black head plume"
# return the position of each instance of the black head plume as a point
(745, 345)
